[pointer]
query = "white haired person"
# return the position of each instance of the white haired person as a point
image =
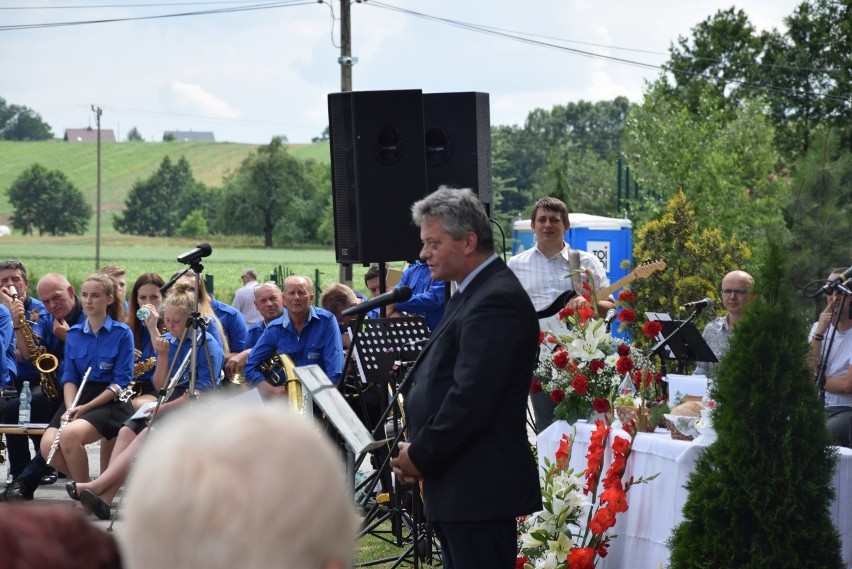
(185, 506)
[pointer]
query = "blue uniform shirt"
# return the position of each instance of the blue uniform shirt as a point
(427, 297)
(233, 323)
(202, 376)
(146, 347)
(319, 343)
(109, 354)
(254, 333)
(8, 363)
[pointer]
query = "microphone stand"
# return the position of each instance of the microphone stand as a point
(820, 377)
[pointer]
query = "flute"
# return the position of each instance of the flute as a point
(55, 444)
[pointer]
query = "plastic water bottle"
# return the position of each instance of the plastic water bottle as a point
(24, 411)
(142, 314)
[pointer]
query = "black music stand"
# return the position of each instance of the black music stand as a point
(387, 348)
(685, 342)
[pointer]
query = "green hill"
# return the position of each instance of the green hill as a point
(123, 163)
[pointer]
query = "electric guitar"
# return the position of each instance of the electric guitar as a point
(548, 318)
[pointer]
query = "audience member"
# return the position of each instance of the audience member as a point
(184, 509)
(244, 297)
(428, 295)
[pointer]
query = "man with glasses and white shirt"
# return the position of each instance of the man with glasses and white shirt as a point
(736, 294)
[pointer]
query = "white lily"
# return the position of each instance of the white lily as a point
(585, 347)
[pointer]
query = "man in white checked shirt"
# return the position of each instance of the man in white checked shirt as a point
(544, 272)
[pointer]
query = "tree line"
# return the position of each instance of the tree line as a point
(754, 129)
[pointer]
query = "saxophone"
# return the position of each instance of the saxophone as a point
(45, 362)
(134, 388)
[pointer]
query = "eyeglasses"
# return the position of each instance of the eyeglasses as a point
(11, 265)
(734, 292)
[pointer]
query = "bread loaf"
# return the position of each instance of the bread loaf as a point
(688, 409)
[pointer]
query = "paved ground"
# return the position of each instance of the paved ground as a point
(56, 494)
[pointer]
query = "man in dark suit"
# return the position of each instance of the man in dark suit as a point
(466, 404)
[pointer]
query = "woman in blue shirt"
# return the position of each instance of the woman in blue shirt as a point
(146, 295)
(97, 496)
(102, 347)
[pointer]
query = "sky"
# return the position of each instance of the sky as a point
(252, 74)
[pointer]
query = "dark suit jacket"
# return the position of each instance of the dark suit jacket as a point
(467, 401)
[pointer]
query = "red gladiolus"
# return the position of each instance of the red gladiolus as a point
(600, 405)
(620, 446)
(602, 549)
(603, 519)
(615, 497)
(540, 337)
(580, 384)
(535, 386)
(560, 359)
(586, 313)
(623, 350)
(563, 452)
(566, 312)
(586, 286)
(581, 558)
(627, 315)
(520, 561)
(596, 365)
(624, 365)
(557, 395)
(652, 328)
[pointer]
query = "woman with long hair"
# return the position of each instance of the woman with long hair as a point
(99, 348)
(145, 298)
(97, 496)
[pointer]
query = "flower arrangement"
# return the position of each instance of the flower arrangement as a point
(587, 365)
(571, 532)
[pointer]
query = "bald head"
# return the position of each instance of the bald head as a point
(736, 293)
(57, 294)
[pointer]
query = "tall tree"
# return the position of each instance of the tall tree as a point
(45, 200)
(760, 494)
(819, 212)
(21, 123)
(725, 163)
(272, 189)
(134, 135)
(156, 206)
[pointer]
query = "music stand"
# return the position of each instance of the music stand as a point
(685, 342)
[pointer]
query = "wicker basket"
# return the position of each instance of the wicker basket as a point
(677, 435)
(627, 414)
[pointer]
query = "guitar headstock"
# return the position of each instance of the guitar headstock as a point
(648, 269)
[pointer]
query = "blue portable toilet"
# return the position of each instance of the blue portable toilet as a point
(522, 236)
(610, 239)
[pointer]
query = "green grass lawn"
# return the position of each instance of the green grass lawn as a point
(75, 258)
(122, 164)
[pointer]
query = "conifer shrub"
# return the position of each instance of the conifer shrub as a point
(760, 494)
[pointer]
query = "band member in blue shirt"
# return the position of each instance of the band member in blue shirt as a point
(102, 345)
(307, 334)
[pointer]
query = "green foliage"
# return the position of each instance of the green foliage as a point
(696, 260)
(156, 207)
(194, 225)
(21, 123)
(724, 163)
(134, 135)
(273, 194)
(760, 494)
(819, 212)
(168, 137)
(47, 201)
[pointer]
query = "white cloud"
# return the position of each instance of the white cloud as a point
(193, 99)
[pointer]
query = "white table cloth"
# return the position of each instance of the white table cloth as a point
(656, 508)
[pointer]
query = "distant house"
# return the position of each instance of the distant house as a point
(88, 135)
(188, 136)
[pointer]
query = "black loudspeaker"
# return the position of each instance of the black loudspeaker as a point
(458, 142)
(378, 172)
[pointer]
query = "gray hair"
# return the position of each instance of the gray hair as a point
(460, 211)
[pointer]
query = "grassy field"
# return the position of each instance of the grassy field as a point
(75, 258)
(122, 164)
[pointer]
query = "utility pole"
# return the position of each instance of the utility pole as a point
(346, 62)
(98, 111)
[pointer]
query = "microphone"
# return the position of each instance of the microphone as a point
(699, 304)
(202, 250)
(399, 294)
(830, 285)
(610, 316)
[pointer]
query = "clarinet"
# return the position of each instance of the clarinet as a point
(55, 444)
